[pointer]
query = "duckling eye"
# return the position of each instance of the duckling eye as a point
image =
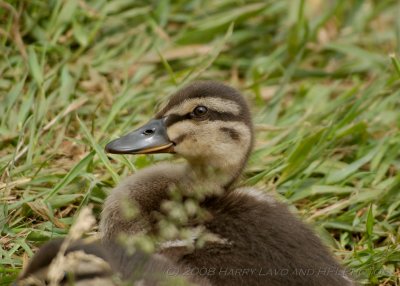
(200, 111)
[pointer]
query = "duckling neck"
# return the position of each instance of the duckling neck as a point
(213, 177)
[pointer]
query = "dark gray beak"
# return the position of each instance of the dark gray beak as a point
(150, 138)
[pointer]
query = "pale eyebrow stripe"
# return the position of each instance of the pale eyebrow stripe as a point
(215, 103)
(189, 128)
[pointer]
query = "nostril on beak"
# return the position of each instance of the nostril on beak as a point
(148, 132)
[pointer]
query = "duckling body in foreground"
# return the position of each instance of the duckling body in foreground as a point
(257, 241)
(88, 263)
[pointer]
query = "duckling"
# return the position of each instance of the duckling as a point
(258, 241)
(89, 263)
(84, 264)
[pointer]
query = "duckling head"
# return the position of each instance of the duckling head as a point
(207, 123)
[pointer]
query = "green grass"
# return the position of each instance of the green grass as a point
(322, 77)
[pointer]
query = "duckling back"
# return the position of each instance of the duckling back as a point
(263, 244)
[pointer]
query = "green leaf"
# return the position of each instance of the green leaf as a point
(35, 69)
(63, 200)
(370, 222)
(344, 173)
(298, 157)
(72, 174)
(80, 34)
(99, 151)
(396, 64)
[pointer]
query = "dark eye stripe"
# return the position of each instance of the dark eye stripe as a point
(212, 116)
(174, 118)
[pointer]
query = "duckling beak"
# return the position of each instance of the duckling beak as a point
(150, 138)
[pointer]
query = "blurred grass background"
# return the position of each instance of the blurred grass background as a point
(322, 78)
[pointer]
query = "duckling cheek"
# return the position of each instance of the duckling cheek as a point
(193, 146)
(205, 141)
(184, 148)
(179, 131)
(185, 136)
